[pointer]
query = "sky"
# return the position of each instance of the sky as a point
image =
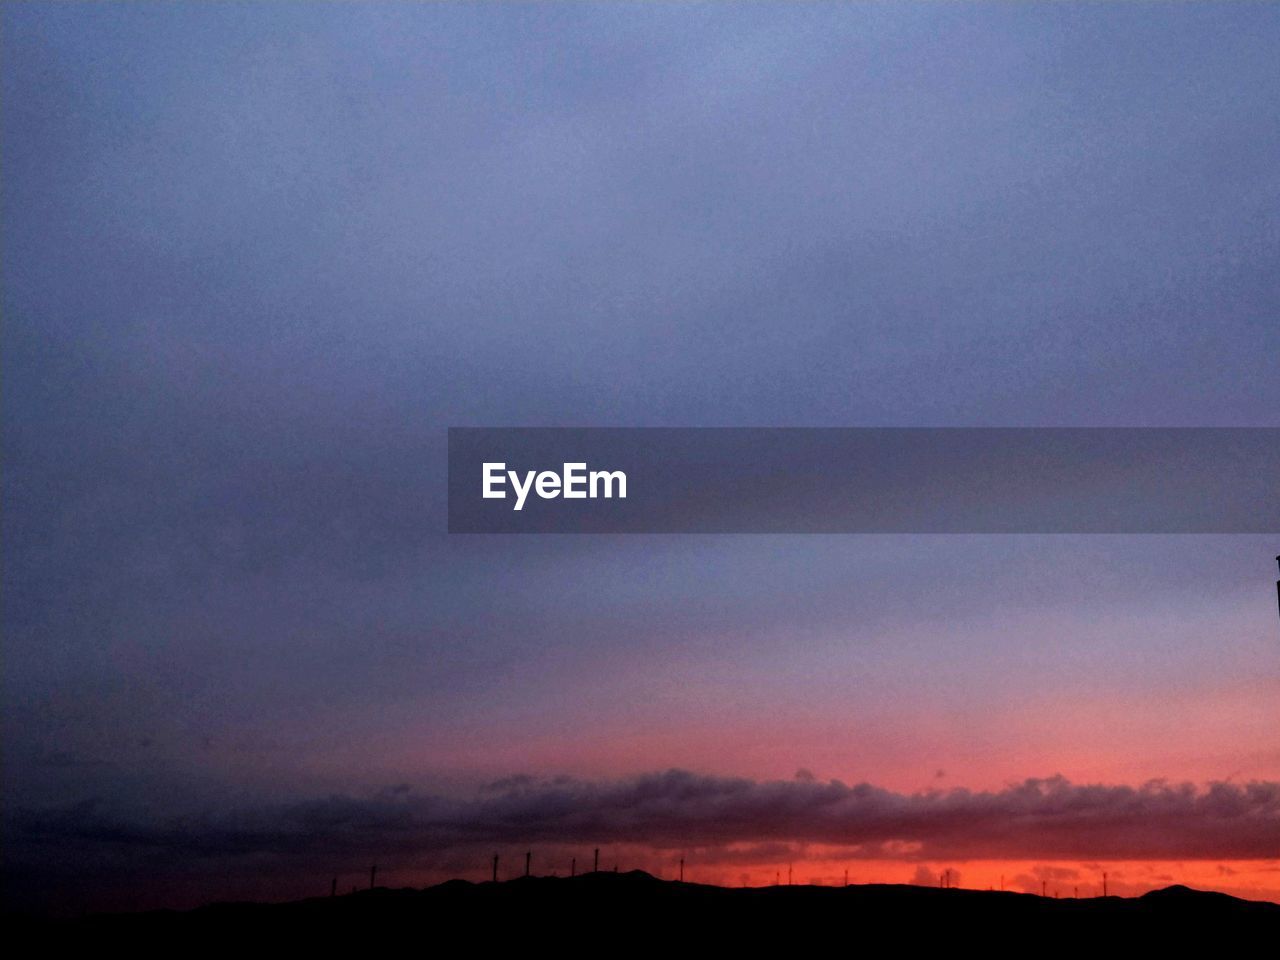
(257, 259)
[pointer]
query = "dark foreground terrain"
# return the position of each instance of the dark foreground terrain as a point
(623, 909)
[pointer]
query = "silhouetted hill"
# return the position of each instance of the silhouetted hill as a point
(637, 905)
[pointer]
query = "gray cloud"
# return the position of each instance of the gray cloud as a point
(1038, 818)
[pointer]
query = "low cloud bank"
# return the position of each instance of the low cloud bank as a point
(1037, 819)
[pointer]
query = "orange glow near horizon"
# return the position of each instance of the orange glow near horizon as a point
(1247, 879)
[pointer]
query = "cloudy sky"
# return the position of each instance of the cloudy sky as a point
(257, 259)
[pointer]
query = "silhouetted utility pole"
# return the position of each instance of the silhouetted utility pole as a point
(846, 876)
(682, 869)
(373, 875)
(596, 868)
(1104, 883)
(777, 878)
(788, 874)
(528, 858)
(573, 867)
(1075, 893)
(1043, 885)
(495, 868)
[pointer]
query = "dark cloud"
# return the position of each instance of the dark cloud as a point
(924, 876)
(1039, 818)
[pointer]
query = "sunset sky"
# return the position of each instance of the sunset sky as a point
(258, 258)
